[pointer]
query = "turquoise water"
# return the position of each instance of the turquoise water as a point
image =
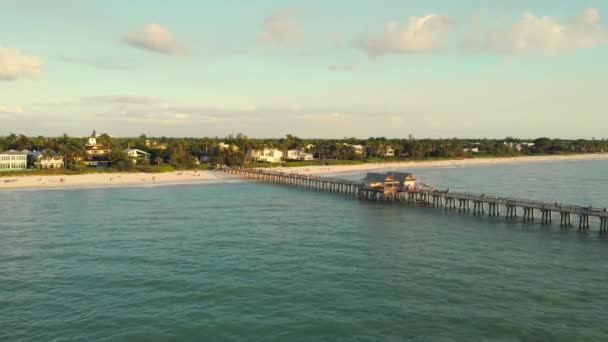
(258, 262)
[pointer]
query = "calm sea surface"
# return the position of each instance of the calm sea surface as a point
(258, 262)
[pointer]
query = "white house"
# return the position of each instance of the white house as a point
(268, 155)
(390, 152)
(55, 162)
(46, 159)
(97, 155)
(299, 155)
(472, 150)
(223, 146)
(358, 149)
(136, 154)
(13, 160)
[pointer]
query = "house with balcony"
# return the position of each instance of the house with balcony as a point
(13, 160)
(96, 154)
(47, 159)
(137, 155)
(298, 155)
(358, 149)
(266, 155)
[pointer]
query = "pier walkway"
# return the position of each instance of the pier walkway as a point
(477, 204)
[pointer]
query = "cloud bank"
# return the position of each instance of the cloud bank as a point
(419, 35)
(545, 35)
(280, 29)
(531, 34)
(14, 64)
(155, 38)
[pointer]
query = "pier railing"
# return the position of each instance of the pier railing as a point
(478, 204)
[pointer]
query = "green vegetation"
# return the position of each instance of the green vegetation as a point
(169, 154)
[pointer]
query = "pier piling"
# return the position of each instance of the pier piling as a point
(433, 198)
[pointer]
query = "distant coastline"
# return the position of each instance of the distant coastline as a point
(337, 169)
(118, 179)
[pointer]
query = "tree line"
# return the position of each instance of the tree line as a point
(182, 153)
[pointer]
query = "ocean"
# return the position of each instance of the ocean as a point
(257, 262)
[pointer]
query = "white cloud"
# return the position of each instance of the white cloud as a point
(122, 100)
(156, 38)
(545, 35)
(420, 35)
(335, 120)
(280, 29)
(14, 64)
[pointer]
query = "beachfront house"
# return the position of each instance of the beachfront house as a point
(390, 152)
(299, 155)
(137, 155)
(154, 144)
(223, 146)
(97, 155)
(358, 149)
(13, 160)
(46, 159)
(266, 155)
(51, 162)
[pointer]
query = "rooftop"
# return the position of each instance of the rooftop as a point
(16, 153)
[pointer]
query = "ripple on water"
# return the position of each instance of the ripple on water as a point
(248, 261)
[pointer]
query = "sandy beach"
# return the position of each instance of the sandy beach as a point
(94, 180)
(337, 169)
(201, 177)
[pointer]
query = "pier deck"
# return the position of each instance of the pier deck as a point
(478, 204)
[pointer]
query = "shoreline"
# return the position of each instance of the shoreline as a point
(112, 180)
(339, 169)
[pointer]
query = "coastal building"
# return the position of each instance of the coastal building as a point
(471, 149)
(137, 155)
(299, 155)
(380, 181)
(266, 155)
(390, 152)
(405, 179)
(358, 149)
(390, 181)
(154, 144)
(13, 160)
(223, 146)
(96, 154)
(519, 146)
(46, 160)
(51, 162)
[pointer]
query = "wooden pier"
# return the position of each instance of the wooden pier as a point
(449, 201)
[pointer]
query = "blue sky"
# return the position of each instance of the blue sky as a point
(435, 68)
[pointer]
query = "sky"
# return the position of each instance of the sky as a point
(313, 68)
